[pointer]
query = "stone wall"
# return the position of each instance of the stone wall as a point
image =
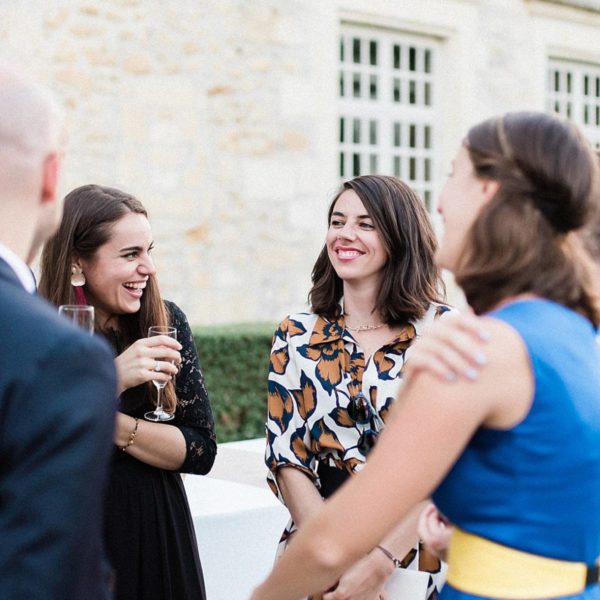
(221, 115)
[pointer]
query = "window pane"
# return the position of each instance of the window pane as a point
(373, 163)
(373, 133)
(397, 93)
(427, 61)
(397, 166)
(342, 170)
(373, 87)
(341, 49)
(427, 93)
(427, 137)
(412, 168)
(412, 95)
(396, 56)
(356, 131)
(342, 122)
(342, 84)
(397, 135)
(412, 136)
(355, 165)
(356, 50)
(373, 52)
(356, 85)
(412, 58)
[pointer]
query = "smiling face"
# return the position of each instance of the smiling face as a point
(117, 273)
(353, 244)
(460, 201)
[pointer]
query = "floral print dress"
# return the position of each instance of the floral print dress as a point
(316, 368)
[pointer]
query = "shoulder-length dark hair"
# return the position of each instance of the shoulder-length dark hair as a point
(526, 239)
(90, 213)
(411, 280)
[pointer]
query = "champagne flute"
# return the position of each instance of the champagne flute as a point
(79, 314)
(159, 414)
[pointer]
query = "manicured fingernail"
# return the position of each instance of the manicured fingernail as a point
(450, 376)
(481, 358)
(484, 334)
(471, 373)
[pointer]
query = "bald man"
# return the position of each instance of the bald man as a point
(57, 384)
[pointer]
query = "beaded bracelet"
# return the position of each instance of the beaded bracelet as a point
(132, 435)
(397, 562)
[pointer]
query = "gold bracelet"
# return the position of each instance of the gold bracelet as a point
(132, 435)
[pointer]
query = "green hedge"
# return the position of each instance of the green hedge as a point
(235, 362)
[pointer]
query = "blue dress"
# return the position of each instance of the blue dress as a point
(536, 487)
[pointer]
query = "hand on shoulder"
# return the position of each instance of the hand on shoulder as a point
(450, 347)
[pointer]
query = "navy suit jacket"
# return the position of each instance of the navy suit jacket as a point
(57, 407)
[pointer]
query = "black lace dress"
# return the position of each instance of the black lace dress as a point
(149, 531)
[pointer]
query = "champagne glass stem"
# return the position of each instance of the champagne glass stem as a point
(159, 408)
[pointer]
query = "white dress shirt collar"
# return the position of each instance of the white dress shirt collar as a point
(22, 271)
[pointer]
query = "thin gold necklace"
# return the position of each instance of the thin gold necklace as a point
(364, 327)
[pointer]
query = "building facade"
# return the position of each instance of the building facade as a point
(234, 121)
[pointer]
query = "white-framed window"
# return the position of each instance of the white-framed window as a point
(387, 100)
(573, 91)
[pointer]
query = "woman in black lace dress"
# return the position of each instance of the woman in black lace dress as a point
(103, 249)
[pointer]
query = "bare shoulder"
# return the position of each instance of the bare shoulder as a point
(508, 376)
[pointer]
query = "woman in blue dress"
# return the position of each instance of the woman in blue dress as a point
(516, 460)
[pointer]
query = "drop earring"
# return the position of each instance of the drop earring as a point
(77, 276)
(77, 282)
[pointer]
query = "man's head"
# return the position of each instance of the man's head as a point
(31, 143)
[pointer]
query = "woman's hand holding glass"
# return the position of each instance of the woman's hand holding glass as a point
(137, 364)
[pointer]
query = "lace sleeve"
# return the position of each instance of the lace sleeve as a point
(193, 415)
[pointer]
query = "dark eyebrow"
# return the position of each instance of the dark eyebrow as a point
(341, 214)
(135, 248)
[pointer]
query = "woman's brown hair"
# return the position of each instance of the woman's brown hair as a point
(90, 213)
(526, 240)
(411, 279)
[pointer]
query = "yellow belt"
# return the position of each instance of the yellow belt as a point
(484, 568)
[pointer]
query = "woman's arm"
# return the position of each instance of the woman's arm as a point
(194, 418)
(288, 454)
(300, 495)
(190, 445)
(156, 444)
(369, 505)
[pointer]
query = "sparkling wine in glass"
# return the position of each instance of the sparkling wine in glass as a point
(80, 314)
(159, 413)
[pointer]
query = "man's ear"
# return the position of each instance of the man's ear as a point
(489, 188)
(50, 172)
